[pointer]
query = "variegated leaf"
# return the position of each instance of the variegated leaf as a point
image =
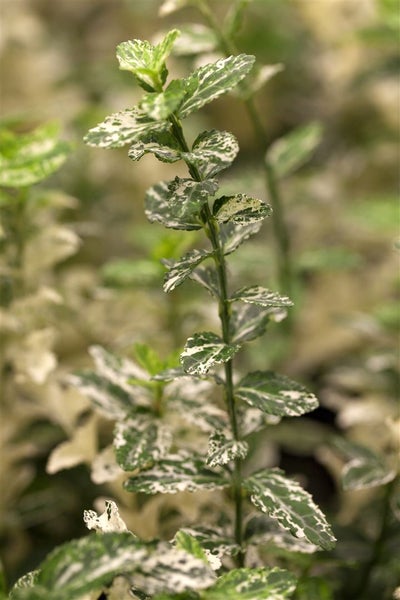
(194, 39)
(179, 270)
(261, 530)
(275, 394)
(108, 521)
(123, 128)
(158, 208)
(190, 398)
(222, 449)
(140, 442)
(240, 209)
(248, 322)
(184, 541)
(233, 235)
(147, 61)
(191, 193)
(294, 149)
(212, 152)
(214, 540)
(177, 473)
(252, 419)
(253, 584)
(259, 77)
(207, 277)
(204, 350)
(26, 159)
(118, 370)
(211, 81)
(286, 501)
(159, 106)
(365, 468)
(255, 294)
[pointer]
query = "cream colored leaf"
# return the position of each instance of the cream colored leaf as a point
(108, 521)
(105, 467)
(33, 358)
(81, 448)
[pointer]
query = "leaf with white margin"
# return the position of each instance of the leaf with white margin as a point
(211, 81)
(190, 398)
(253, 584)
(118, 370)
(240, 209)
(255, 294)
(275, 394)
(189, 543)
(204, 350)
(212, 152)
(179, 270)
(208, 278)
(286, 501)
(27, 159)
(177, 473)
(108, 521)
(222, 449)
(365, 468)
(160, 143)
(121, 128)
(140, 442)
(252, 419)
(249, 321)
(147, 61)
(290, 152)
(105, 467)
(179, 207)
(261, 530)
(214, 540)
(81, 448)
(232, 235)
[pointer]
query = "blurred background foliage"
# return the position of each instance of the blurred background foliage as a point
(92, 271)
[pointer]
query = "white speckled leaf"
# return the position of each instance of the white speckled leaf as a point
(233, 235)
(275, 394)
(204, 350)
(263, 531)
(213, 540)
(365, 468)
(240, 209)
(212, 152)
(159, 106)
(190, 398)
(140, 442)
(249, 321)
(162, 144)
(294, 149)
(253, 584)
(177, 473)
(123, 128)
(222, 449)
(179, 270)
(108, 521)
(256, 294)
(286, 501)
(211, 81)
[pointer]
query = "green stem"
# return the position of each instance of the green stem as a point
(280, 230)
(211, 228)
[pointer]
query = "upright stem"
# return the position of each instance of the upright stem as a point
(224, 311)
(281, 235)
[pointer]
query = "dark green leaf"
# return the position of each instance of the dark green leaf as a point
(293, 150)
(207, 277)
(233, 235)
(252, 584)
(179, 270)
(212, 152)
(203, 350)
(211, 81)
(172, 215)
(29, 158)
(159, 106)
(275, 394)
(123, 128)
(256, 294)
(240, 209)
(184, 541)
(177, 473)
(314, 588)
(140, 442)
(286, 501)
(249, 321)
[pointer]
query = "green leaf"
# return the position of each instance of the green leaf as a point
(365, 469)
(195, 39)
(176, 204)
(177, 473)
(260, 76)
(233, 235)
(214, 540)
(252, 584)
(123, 273)
(160, 143)
(249, 321)
(140, 442)
(286, 501)
(211, 81)
(184, 541)
(29, 158)
(212, 152)
(146, 61)
(207, 277)
(27, 581)
(123, 128)
(159, 106)
(314, 588)
(179, 270)
(240, 209)
(222, 449)
(256, 294)
(275, 394)
(204, 350)
(290, 152)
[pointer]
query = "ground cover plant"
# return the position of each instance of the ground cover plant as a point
(194, 422)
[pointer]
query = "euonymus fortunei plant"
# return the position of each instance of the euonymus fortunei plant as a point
(207, 561)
